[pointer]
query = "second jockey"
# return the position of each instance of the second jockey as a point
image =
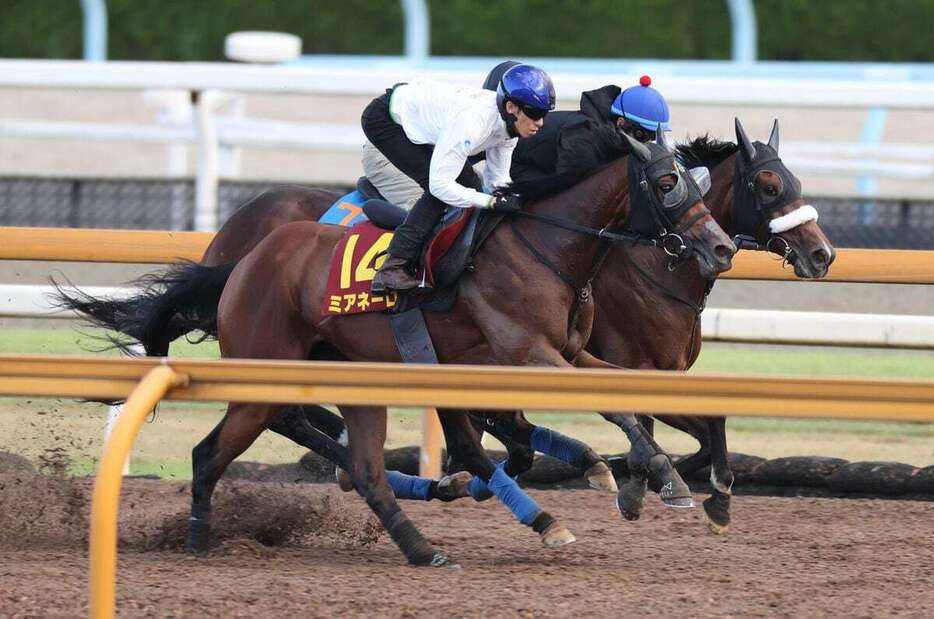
(573, 143)
(428, 131)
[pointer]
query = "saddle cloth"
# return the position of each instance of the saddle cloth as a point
(361, 251)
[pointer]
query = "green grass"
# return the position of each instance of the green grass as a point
(714, 357)
(814, 361)
(164, 446)
(82, 342)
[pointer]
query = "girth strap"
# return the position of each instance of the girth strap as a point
(582, 294)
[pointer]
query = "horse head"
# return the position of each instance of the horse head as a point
(768, 207)
(667, 202)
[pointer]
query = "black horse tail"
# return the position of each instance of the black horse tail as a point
(170, 304)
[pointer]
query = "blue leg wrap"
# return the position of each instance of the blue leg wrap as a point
(557, 445)
(505, 488)
(519, 503)
(478, 488)
(409, 486)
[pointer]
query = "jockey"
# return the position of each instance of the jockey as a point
(428, 131)
(574, 143)
(393, 185)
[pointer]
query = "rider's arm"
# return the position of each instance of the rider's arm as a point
(498, 160)
(447, 161)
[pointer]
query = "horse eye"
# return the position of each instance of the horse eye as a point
(770, 190)
(666, 187)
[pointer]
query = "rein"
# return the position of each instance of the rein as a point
(600, 233)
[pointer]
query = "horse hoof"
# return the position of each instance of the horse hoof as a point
(440, 560)
(456, 486)
(556, 536)
(199, 533)
(631, 499)
(195, 550)
(717, 512)
(343, 479)
(714, 527)
(672, 491)
(600, 477)
(679, 502)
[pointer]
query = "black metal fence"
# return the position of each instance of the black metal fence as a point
(166, 205)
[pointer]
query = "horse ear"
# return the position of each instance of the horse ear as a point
(637, 148)
(773, 137)
(744, 144)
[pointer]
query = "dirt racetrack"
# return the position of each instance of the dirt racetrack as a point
(309, 550)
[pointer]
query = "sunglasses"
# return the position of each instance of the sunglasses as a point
(639, 133)
(533, 112)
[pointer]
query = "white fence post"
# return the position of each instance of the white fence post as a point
(113, 413)
(206, 210)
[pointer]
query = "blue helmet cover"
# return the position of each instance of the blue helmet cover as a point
(527, 85)
(644, 105)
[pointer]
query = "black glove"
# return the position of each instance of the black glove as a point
(508, 203)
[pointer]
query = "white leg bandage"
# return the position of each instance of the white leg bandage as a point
(795, 218)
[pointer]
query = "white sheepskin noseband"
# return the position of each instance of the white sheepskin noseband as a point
(795, 218)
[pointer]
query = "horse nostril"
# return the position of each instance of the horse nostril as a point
(724, 252)
(819, 257)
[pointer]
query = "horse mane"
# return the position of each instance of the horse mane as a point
(704, 151)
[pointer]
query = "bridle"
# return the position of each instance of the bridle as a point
(665, 217)
(752, 214)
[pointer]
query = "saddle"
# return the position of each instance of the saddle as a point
(358, 254)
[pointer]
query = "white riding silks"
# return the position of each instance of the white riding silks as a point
(460, 122)
(795, 218)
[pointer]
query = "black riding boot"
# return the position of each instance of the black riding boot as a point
(406, 244)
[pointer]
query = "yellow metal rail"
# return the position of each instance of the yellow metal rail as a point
(106, 502)
(101, 245)
(888, 266)
(490, 387)
(148, 380)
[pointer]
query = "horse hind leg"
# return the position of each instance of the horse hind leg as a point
(210, 458)
(717, 505)
(464, 445)
(514, 429)
(366, 429)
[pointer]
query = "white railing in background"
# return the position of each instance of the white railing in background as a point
(206, 87)
(718, 324)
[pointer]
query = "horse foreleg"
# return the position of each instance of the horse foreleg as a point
(210, 458)
(315, 428)
(717, 505)
(645, 458)
(464, 443)
(366, 429)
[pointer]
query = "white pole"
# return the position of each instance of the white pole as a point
(95, 29)
(744, 34)
(417, 30)
(206, 212)
(114, 413)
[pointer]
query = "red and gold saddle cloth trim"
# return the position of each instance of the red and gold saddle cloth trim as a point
(357, 256)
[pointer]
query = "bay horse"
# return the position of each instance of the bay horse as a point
(648, 316)
(665, 303)
(496, 319)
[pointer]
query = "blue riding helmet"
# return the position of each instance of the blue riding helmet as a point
(496, 74)
(643, 105)
(528, 87)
